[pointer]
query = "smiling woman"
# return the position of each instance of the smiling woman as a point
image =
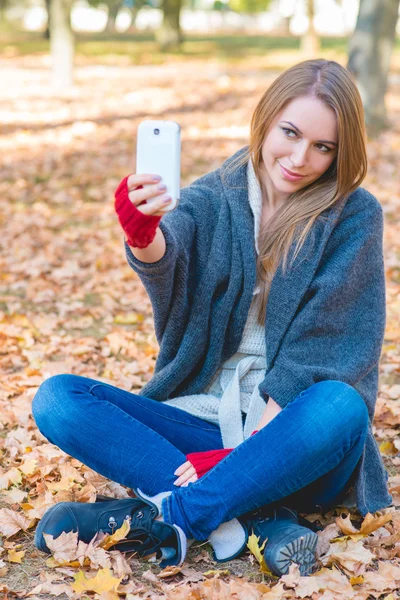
(307, 147)
(255, 410)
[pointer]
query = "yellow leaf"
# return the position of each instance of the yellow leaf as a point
(355, 537)
(102, 582)
(117, 536)
(217, 573)
(129, 319)
(388, 448)
(257, 551)
(357, 580)
(16, 557)
(52, 563)
(254, 547)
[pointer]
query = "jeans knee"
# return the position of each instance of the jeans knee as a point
(343, 401)
(50, 404)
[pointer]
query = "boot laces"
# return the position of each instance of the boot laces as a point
(140, 521)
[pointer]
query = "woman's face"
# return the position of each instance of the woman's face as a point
(299, 146)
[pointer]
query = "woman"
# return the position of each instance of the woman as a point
(265, 385)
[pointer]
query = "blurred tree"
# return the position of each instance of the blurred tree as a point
(310, 43)
(369, 55)
(3, 6)
(61, 43)
(169, 35)
(47, 30)
(114, 6)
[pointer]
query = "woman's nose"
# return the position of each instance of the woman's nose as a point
(299, 155)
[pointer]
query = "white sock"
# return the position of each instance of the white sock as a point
(228, 539)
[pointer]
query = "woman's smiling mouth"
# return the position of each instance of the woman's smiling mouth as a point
(289, 175)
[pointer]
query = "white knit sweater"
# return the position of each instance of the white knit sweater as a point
(234, 388)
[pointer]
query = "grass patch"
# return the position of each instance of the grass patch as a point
(141, 48)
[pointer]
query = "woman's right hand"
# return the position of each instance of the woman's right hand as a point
(139, 209)
(156, 192)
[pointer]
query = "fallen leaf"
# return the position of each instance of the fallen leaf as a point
(63, 547)
(217, 573)
(169, 571)
(117, 536)
(346, 525)
(352, 556)
(11, 522)
(15, 557)
(104, 581)
(388, 448)
(257, 551)
(14, 496)
(372, 523)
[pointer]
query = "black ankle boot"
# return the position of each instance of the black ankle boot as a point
(287, 540)
(147, 535)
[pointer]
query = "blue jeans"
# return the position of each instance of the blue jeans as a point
(304, 458)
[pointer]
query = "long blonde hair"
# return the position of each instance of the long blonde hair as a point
(332, 84)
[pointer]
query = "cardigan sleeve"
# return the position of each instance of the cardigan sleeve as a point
(170, 281)
(338, 330)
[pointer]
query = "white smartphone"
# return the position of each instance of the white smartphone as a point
(158, 152)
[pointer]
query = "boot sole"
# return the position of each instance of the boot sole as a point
(292, 547)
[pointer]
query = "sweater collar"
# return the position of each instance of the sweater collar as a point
(255, 200)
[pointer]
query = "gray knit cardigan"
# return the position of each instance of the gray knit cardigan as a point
(325, 319)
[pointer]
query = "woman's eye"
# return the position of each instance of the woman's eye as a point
(324, 148)
(287, 132)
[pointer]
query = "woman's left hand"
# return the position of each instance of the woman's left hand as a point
(186, 474)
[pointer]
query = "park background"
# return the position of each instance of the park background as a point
(76, 80)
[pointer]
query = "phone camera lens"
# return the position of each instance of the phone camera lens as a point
(156, 131)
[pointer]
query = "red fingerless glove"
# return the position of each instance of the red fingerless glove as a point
(204, 461)
(140, 229)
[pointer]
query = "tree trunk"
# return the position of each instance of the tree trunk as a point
(3, 6)
(370, 50)
(113, 10)
(134, 12)
(47, 30)
(169, 35)
(310, 44)
(61, 43)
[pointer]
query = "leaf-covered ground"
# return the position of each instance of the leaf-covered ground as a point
(69, 303)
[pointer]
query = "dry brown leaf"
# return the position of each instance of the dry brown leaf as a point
(372, 523)
(119, 563)
(352, 556)
(11, 522)
(11, 477)
(64, 547)
(169, 571)
(54, 589)
(324, 538)
(151, 577)
(3, 568)
(346, 525)
(95, 556)
(14, 496)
